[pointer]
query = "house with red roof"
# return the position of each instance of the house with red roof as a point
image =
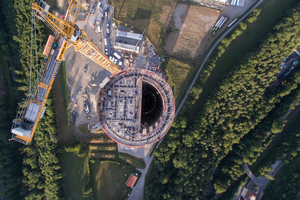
(131, 181)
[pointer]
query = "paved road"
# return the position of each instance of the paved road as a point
(261, 181)
(211, 50)
(138, 192)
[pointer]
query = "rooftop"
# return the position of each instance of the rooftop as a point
(131, 181)
(248, 194)
(135, 36)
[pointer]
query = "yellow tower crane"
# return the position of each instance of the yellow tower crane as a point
(75, 36)
(67, 34)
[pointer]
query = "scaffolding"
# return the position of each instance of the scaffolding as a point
(120, 108)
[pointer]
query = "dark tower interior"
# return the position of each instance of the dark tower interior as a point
(152, 106)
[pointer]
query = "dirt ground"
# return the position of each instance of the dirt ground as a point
(190, 30)
(75, 63)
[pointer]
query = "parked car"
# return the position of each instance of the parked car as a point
(86, 107)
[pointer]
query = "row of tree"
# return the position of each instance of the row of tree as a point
(217, 53)
(184, 163)
(256, 141)
(40, 176)
(289, 185)
(10, 158)
(286, 145)
(22, 36)
(41, 164)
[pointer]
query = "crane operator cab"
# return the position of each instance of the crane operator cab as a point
(75, 34)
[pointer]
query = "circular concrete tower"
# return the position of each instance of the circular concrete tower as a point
(136, 107)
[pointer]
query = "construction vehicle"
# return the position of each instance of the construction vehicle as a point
(66, 34)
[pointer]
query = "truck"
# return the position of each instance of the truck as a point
(221, 24)
(231, 23)
(219, 21)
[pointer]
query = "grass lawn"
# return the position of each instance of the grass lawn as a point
(108, 181)
(84, 129)
(179, 76)
(271, 11)
(65, 131)
(75, 175)
(143, 14)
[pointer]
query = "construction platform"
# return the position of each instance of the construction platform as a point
(136, 107)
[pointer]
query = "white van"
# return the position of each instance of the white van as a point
(98, 29)
(117, 55)
(108, 31)
(105, 42)
(105, 14)
(99, 5)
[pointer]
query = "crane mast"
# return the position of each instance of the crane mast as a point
(67, 34)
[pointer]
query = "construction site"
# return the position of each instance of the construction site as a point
(136, 107)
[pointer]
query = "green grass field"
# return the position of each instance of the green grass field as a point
(75, 175)
(271, 11)
(108, 181)
(179, 76)
(84, 129)
(143, 14)
(65, 131)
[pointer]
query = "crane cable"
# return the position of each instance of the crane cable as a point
(36, 55)
(32, 14)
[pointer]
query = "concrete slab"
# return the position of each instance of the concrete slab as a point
(141, 152)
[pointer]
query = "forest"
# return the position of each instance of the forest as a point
(32, 171)
(237, 122)
(232, 117)
(286, 184)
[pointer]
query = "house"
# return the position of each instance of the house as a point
(131, 181)
(248, 194)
